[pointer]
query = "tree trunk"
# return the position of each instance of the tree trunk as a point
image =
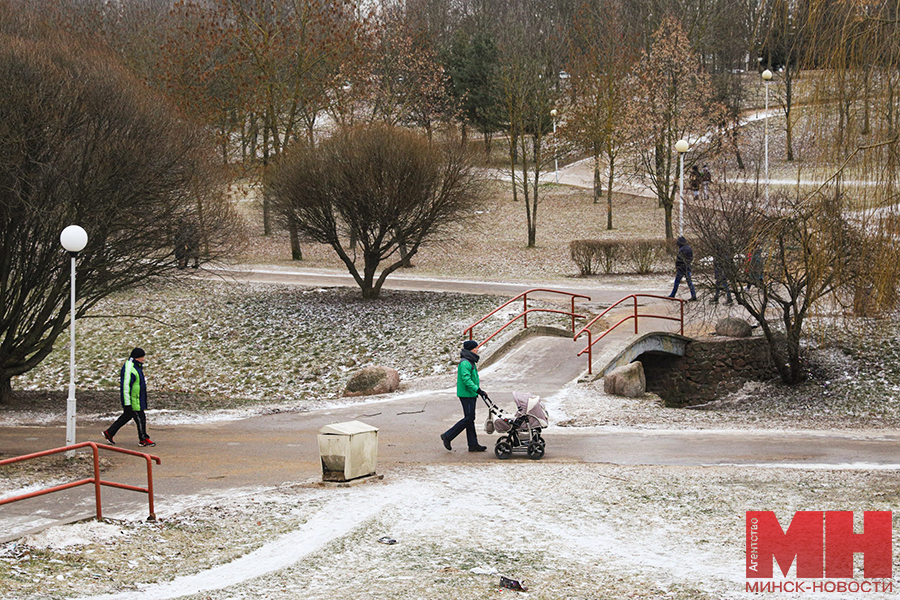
(267, 228)
(735, 131)
(296, 250)
(532, 228)
(513, 161)
(867, 93)
(668, 210)
(597, 190)
(788, 105)
(5, 390)
(609, 192)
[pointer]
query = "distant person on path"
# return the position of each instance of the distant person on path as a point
(467, 389)
(683, 258)
(755, 268)
(721, 282)
(705, 180)
(187, 246)
(694, 181)
(133, 394)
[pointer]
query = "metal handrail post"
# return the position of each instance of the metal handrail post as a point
(152, 516)
(525, 309)
(635, 315)
(590, 354)
(96, 452)
(682, 318)
(573, 315)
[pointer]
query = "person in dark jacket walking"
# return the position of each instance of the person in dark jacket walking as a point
(467, 389)
(683, 258)
(133, 394)
(694, 180)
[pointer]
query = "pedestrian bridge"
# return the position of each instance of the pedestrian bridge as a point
(622, 352)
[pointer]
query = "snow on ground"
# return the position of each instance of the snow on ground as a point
(567, 530)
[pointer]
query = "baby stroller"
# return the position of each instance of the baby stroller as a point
(522, 431)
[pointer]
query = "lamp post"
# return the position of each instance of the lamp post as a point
(553, 114)
(681, 146)
(73, 238)
(767, 77)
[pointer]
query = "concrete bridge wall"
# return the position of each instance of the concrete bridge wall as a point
(710, 368)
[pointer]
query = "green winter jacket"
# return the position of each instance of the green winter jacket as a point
(467, 383)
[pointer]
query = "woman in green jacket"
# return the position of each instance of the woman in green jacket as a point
(467, 388)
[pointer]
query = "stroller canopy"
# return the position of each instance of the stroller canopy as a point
(533, 407)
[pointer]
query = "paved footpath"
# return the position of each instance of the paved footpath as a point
(270, 450)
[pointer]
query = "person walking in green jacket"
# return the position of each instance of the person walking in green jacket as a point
(133, 394)
(467, 389)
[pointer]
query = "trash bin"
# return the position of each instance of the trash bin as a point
(348, 450)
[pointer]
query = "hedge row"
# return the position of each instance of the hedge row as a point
(612, 256)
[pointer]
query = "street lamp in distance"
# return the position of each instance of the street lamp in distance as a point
(553, 114)
(681, 146)
(73, 239)
(767, 77)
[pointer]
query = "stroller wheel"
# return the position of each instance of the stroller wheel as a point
(536, 450)
(502, 449)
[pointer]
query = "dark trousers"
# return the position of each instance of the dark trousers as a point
(722, 284)
(467, 423)
(128, 414)
(687, 275)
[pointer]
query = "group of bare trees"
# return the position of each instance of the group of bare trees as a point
(83, 142)
(288, 82)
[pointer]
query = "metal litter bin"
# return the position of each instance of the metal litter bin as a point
(348, 450)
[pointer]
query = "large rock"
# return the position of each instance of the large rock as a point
(733, 327)
(628, 381)
(373, 380)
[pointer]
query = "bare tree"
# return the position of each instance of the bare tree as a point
(384, 187)
(782, 259)
(85, 143)
(600, 59)
(530, 63)
(673, 101)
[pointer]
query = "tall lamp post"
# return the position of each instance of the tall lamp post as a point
(553, 114)
(681, 146)
(73, 238)
(767, 77)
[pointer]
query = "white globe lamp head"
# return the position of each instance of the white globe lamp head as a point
(553, 113)
(681, 146)
(73, 238)
(767, 75)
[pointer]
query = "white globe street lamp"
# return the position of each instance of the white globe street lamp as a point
(767, 77)
(681, 146)
(73, 239)
(553, 114)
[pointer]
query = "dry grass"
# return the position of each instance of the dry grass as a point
(492, 245)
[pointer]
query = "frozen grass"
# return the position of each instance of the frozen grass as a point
(263, 343)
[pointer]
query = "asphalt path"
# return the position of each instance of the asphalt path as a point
(212, 457)
(400, 281)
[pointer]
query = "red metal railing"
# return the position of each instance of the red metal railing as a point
(95, 479)
(634, 315)
(524, 314)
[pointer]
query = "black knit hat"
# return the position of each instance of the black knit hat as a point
(470, 345)
(137, 353)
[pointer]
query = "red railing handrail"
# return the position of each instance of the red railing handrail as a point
(524, 314)
(95, 479)
(634, 315)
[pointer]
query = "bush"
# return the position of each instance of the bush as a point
(642, 255)
(590, 255)
(639, 255)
